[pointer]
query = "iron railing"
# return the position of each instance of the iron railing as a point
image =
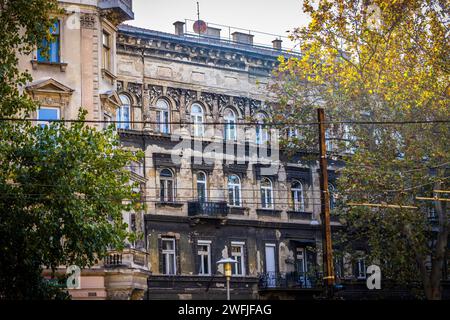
(300, 280)
(204, 208)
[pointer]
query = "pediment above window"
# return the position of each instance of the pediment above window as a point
(49, 85)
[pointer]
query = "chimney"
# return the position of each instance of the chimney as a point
(242, 37)
(179, 28)
(277, 44)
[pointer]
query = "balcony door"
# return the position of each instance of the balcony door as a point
(301, 267)
(270, 265)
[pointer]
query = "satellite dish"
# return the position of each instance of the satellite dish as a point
(200, 26)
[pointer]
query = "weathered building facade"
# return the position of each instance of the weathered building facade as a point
(213, 179)
(216, 184)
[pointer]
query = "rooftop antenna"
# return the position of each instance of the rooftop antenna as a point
(199, 25)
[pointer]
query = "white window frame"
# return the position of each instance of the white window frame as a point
(262, 133)
(197, 118)
(240, 245)
(163, 116)
(120, 112)
(298, 196)
(167, 253)
(204, 255)
(236, 191)
(204, 183)
(266, 194)
(46, 123)
(164, 185)
(230, 125)
(361, 262)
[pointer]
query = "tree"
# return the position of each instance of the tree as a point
(63, 187)
(369, 62)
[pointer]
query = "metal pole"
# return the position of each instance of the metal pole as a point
(325, 209)
(228, 288)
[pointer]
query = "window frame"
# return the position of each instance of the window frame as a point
(235, 268)
(205, 186)
(166, 255)
(294, 191)
(56, 39)
(106, 51)
(262, 133)
(198, 128)
(202, 256)
(126, 124)
(237, 201)
(266, 191)
(230, 130)
(46, 123)
(165, 184)
(163, 126)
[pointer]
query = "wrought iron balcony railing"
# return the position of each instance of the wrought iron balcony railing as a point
(299, 280)
(205, 208)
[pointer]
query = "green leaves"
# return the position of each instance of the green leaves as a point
(63, 191)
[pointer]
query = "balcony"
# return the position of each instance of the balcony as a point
(127, 258)
(207, 209)
(122, 10)
(287, 280)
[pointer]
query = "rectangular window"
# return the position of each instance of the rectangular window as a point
(237, 253)
(162, 117)
(169, 257)
(52, 48)
(361, 268)
(106, 50)
(45, 114)
(204, 257)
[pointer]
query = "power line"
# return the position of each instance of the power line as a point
(255, 123)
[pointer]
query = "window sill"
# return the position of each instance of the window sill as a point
(238, 210)
(62, 65)
(293, 214)
(268, 212)
(169, 204)
(109, 75)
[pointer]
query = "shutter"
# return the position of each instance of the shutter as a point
(160, 255)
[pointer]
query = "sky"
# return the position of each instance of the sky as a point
(268, 16)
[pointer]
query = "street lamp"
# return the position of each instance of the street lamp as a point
(227, 264)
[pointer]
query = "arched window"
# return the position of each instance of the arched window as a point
(266, 194)
(123, 113)
(163, 116)
(230, 125)
(234, 190)
(201, 186)
(332, 192)
(297, 196)
(167, 185)
(197, 118)
(262, 133)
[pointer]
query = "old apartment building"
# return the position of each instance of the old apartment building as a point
(215, 183)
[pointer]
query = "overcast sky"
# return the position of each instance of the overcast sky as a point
(269, 16)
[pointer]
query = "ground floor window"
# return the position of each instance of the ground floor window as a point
(237, 253)
(204, 257)
(169, 256)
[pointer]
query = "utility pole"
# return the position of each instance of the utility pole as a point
(325, 210)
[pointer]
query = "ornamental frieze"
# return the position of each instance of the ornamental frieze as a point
(154, 92)
(136, 89)
(208, 99)
(175, 94)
